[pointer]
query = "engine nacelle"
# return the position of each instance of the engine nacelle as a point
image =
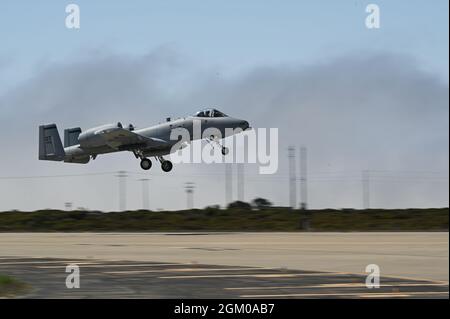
(78, 160)
(93, 136)
(74, 154)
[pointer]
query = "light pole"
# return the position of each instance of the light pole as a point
(366, 189)
(189, 188)
(145, 193)
(122, 175)
(303, 178)
(228, 184)
(292, 178)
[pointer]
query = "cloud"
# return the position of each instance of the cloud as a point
(112, 83)
(376, 111)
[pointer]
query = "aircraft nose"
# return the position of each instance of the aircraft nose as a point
(244, 125)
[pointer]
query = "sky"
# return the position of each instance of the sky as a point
(358, 98)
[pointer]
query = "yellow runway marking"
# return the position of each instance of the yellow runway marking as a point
(344, 285)
(396, 277)
(178, 270)
(408, 294)
(47, 262)
(95, 265)
(277, 275)
(360, 295)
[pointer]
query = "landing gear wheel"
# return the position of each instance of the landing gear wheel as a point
(225, 151)
(146, 164)
(166, 166)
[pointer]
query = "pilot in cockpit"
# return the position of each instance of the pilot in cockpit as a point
(210, 113)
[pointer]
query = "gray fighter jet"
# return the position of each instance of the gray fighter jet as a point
(155, 141)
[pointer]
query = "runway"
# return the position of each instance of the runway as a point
(228, 265)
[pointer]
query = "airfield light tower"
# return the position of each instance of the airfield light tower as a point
(303, 178)
(189, 188)
(228, 183)
(122, 175)
(240, 181)
(366, 188)
(292, 178)
(145, 193)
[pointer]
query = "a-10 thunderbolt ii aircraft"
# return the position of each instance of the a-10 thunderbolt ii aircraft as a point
(80, 147)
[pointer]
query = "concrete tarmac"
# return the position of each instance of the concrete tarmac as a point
(230, 265)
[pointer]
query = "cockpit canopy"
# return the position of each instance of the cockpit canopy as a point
(210, 113)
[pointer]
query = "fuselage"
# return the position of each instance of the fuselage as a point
(92, 142)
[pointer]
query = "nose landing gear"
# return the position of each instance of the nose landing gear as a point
(212, 141)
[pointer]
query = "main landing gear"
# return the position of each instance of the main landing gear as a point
(166, 166)
(146, 163)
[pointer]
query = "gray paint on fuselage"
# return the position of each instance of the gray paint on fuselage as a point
(160, 131)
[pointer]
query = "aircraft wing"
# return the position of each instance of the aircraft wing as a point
(123, 139)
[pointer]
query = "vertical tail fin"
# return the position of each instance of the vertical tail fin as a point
(50, 146)
(71, 136)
